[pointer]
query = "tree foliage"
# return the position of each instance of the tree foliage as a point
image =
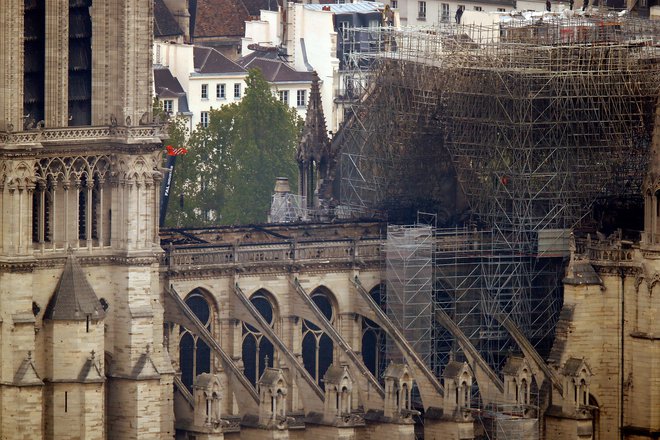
(229, 173)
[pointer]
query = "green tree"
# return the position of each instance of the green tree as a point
(229, 173)
(263, 142)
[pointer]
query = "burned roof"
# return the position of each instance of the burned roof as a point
(271, 233)
(165, 25)
(73, 299)
(209, 60)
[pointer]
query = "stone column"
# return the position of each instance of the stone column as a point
(11, 65)
(56, 73)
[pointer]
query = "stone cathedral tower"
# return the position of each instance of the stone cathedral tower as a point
(81, 341)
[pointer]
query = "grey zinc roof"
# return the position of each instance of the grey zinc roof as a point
(74, 299)
(276, 70)
(209, 60)
(165, 82)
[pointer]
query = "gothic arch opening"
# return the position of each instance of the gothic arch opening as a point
(34, 33)
(373, 338)
(80, 63)
(317, 347)
(194, 353)
(257, 350)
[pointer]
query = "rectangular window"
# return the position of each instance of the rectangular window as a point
(421, 10)
(444, 7)
(478, 8)
(301, 98)
(501, 10)
(220, 92)
(283, 96)
(168, 106)
(237, 90)
(205, 91)
(395, 4)
(204, 119)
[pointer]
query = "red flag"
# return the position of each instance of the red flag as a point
(171, 151)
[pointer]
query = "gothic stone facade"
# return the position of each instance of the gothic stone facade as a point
(242, 333)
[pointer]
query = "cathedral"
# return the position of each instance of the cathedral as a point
(111, 328)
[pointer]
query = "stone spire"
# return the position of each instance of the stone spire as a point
(316, 161)
(74, 299)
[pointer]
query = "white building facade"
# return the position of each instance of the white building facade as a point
(210, 80)
(309, 36)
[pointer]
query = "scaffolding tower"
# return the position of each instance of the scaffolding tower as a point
(409, 288)
(534, 120)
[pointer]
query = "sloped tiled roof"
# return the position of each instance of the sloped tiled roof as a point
(74, 299)
(209, 60)
(219, 18)
(276, 70)
(165, 25)
(166, 85)
(254, 7)
(226, 18)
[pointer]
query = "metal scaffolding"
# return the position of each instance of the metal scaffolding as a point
(535, 121)
(409, 288)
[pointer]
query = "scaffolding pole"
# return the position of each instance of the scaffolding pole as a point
(531, 122)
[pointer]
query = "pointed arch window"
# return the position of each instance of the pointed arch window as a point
(80, 63)
(34, 31)
(42, 202)
(257, 349)
(317, 347)
(194, 353)
(373, 338)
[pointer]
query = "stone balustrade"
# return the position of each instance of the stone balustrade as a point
(340, 251)
(87, 133)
